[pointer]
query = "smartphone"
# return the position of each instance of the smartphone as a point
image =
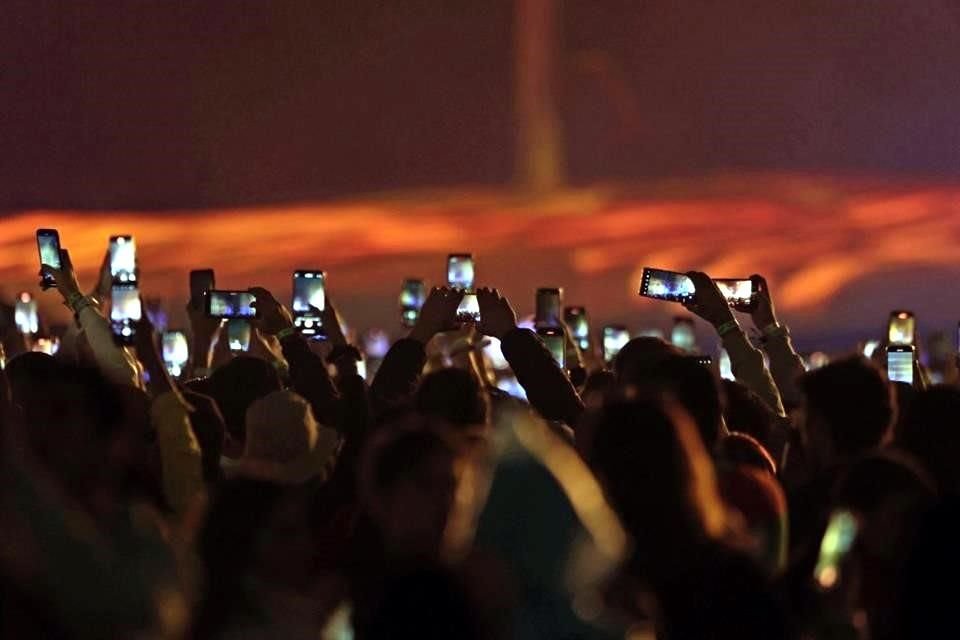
(838, 540)
(460, 271)
(309, 300)
(683, 335)
(238, 334)
(413, 294)
(660, 284)
(123, 259)
(741, 294)
(125, 311)
(901, 328)
(576, 320)
(25, 314)
(201, 281)
(549, 307)
(175, 351)
(230, 304)
(48, 243)
(614, 338)
(469, 309)
(556, 342)
(900, 363)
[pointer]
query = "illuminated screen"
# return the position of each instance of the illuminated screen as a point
(125, 309)
(231, 304)
(413, 294)
(901, 330)
(614, 339)
(736, 292)
(666, 285)
(469, 309)
(123, 259)
(460, 271)
(549, 303)
(900, 366)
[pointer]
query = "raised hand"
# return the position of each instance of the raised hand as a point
(331, 324)
(145, 340)
(272, 317)
(65, 278)
(497, 316)
(764, 313)
(439, 313)
(104, 280)
(708, 302)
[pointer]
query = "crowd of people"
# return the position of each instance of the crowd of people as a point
(277, 493)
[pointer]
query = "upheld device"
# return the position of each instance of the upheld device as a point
(309, 300)
(838, 540)
(683, 336)
(460, 271)
(902, 327)
(614, 336)
(238, 335)
(556, 342)
(125, 311)
(576, 320)
(48, 243)
(123, 259)
(469, 309)
(201, 281)
(549, 307)
(175, 351)
(900, 363)
(25, 314)
(660, 284)
(413, 294)
(230, 304)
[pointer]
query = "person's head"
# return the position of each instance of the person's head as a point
(657, 474)
(283, 442)
(236, 385)
(693, 386)
(739, 449)
(848, 410)
(930, 430)
(757, 496)
(639, 358)
(453, 399)
(407, 486)
(746, 412)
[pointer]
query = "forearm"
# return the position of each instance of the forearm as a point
(309, 377)
(786, 366)
(548, 388)
(398, 375)
(748, 368)
(114, 361)
(180, 454)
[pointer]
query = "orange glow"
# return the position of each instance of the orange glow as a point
(810, 236)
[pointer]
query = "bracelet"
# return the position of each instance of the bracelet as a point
(286, 331)
(78, 302)
(727, 327)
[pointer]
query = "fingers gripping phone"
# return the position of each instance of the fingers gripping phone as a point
(579, 325)
(123, 259)
(660, 284)
(556, 342)
(48, 244)
(549, 306)
(413, 294)
(460, 271)
(902, 327)
(309, 301)
(125, 311)
(900, 363)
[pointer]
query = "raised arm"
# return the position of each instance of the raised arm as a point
(745, 360)
(398, 375)
(785, 365)
(116, 362)
(547, 386)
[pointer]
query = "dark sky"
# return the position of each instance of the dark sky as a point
(157, 104)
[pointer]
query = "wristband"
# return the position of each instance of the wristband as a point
(774, 329)
(286, 331)
(727, 327)
(78, 302)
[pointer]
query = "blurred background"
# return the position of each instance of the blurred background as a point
(563, 143)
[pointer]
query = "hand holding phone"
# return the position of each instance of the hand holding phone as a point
(48, 245)
(123, 259)
(708, 301)
(902, 327)
(556, 342)
(413, 294)
(498, 316)
(549, 307)
(201, 281)
(309, 301)
(576, 320)
(900, 360)
(439, 313)
(460, 271)
(125, 312)
(230, 304)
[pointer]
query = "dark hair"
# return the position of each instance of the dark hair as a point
(930, 430)
(208, 427)
(402, 455)
(639, 358)
(693, 386)
(746, 412)
(236, 385)
(741, 449)
(454, 395)
(854, 401)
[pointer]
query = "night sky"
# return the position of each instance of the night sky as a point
(160, 105)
